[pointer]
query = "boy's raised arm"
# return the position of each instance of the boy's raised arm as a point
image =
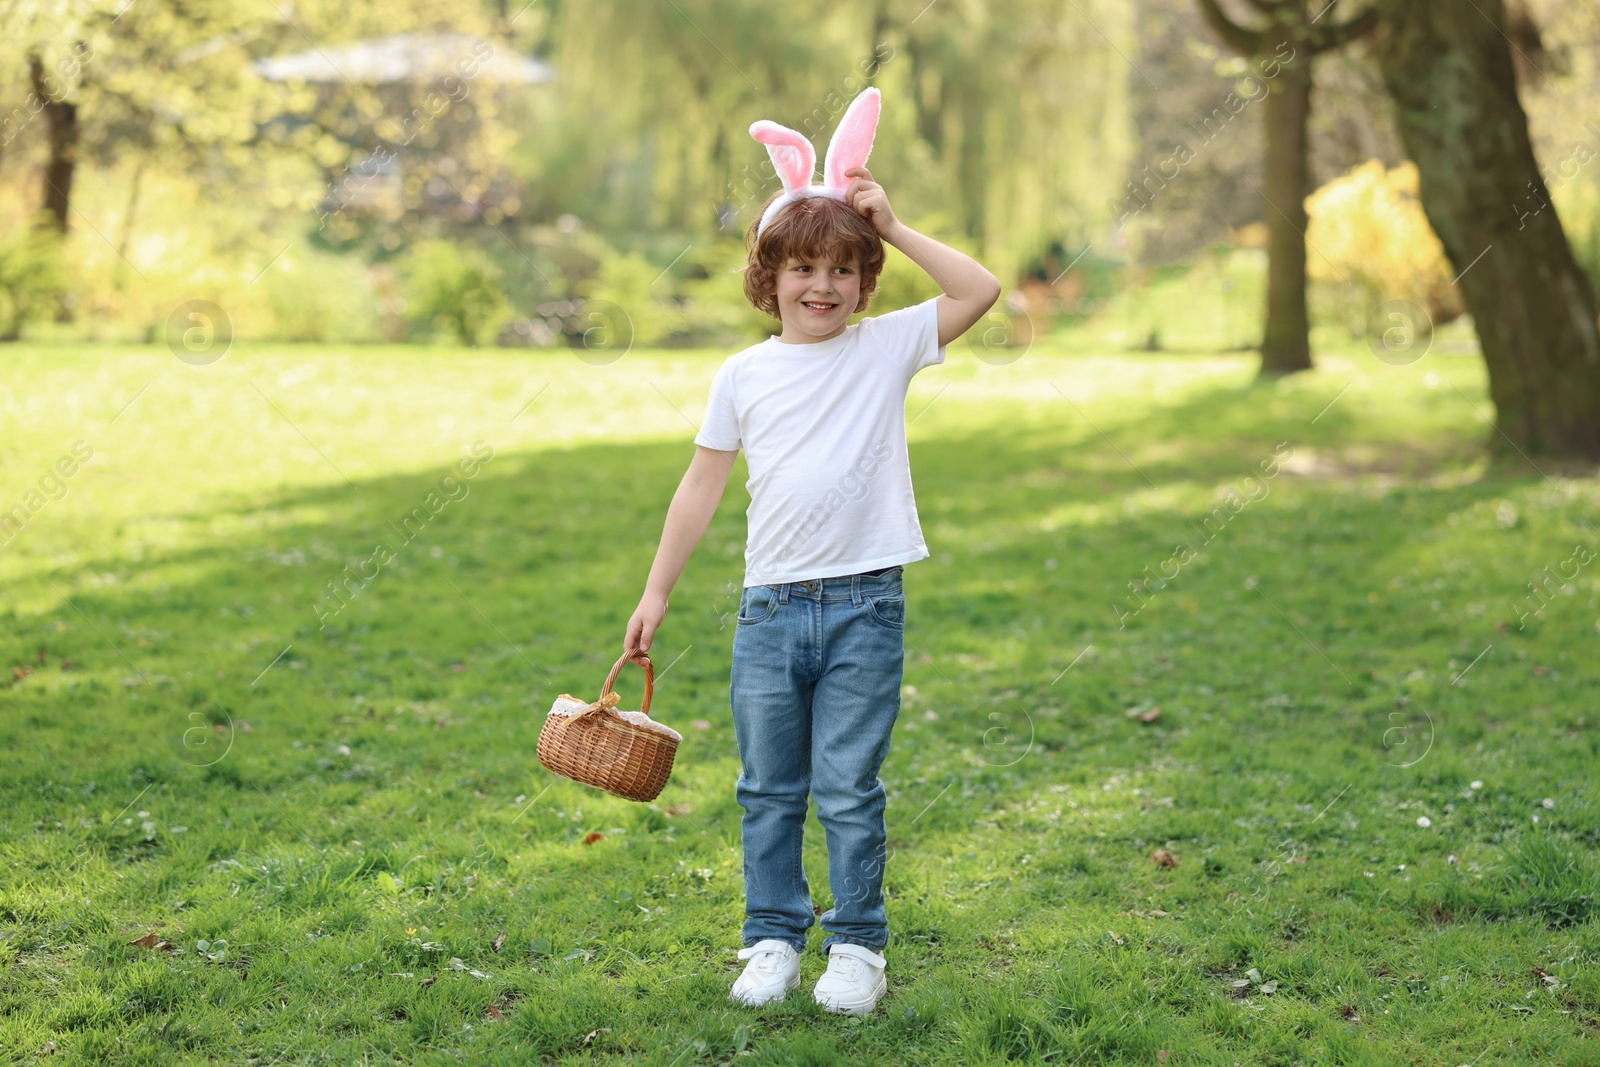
(688, 515)
(969, 289)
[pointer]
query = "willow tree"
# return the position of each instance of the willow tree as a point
(1450, 73)
(1289, 39)
(1008, 155)
(1026, 151)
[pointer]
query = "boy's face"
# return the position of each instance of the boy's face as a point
(816, 297)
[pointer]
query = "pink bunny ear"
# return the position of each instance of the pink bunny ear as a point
(852, 141)
(792, 155)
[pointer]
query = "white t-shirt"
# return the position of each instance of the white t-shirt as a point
(823, 430)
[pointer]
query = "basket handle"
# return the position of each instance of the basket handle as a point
(609, 699)
(649, 676)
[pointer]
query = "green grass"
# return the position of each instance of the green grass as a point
(339, 814)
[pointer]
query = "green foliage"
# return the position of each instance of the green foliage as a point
(625, 289)
(453, 290)
(713, 302)
(317, 296)
(33, 275)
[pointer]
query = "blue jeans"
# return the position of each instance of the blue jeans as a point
(815, 691)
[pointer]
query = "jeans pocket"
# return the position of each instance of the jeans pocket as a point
(758, 604)
(888, 609)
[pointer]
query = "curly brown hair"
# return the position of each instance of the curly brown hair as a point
(811, 226)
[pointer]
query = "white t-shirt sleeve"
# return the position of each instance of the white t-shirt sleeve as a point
(720, 427)
(910, 336)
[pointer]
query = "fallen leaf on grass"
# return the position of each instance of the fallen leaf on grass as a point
(493, 1013)
(592, 1033)
(592, 836)
(700, 724)
(1162, 858)
(457, 965)
(19, 673)
(1349, 1013)
(499, 940)
(426, 982)
(152, 941)
(1143, 714)
(1161, 1055)
(673, 810)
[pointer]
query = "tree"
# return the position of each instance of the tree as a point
(1288, 42)
(1449, 70)
(1009, 156)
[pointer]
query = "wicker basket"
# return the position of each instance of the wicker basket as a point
(626, 753)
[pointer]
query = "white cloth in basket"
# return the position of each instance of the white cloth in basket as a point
(570, 705)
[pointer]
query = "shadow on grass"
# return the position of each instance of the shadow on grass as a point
(521, 589)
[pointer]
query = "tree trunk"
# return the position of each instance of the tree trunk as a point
(1286, 338)
(61, 119)
(1451, 75)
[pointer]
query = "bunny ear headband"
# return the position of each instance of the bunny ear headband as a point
(795, 159)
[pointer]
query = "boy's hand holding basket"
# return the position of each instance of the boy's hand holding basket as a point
(626, 753)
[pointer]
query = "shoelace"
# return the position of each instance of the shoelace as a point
(848, 967)
(770, 961)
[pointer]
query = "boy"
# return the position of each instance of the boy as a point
(818, 647)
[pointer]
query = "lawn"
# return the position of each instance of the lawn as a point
(246, 822)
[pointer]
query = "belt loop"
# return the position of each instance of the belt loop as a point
(855, 590)
(783, 593)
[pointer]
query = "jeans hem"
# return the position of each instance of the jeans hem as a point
(798, 946)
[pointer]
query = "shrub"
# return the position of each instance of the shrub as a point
(32, 276)
(628, 281)
(1368, 228)
(316, 296)
(453, 288)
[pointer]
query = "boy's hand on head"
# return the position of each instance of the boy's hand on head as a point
(868, 197)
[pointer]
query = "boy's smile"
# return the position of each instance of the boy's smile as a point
(816, 297)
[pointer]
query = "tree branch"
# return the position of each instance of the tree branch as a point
(1244, 41)
(1325, 39)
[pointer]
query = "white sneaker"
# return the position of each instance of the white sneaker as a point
(773, 970)
(853, 981)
